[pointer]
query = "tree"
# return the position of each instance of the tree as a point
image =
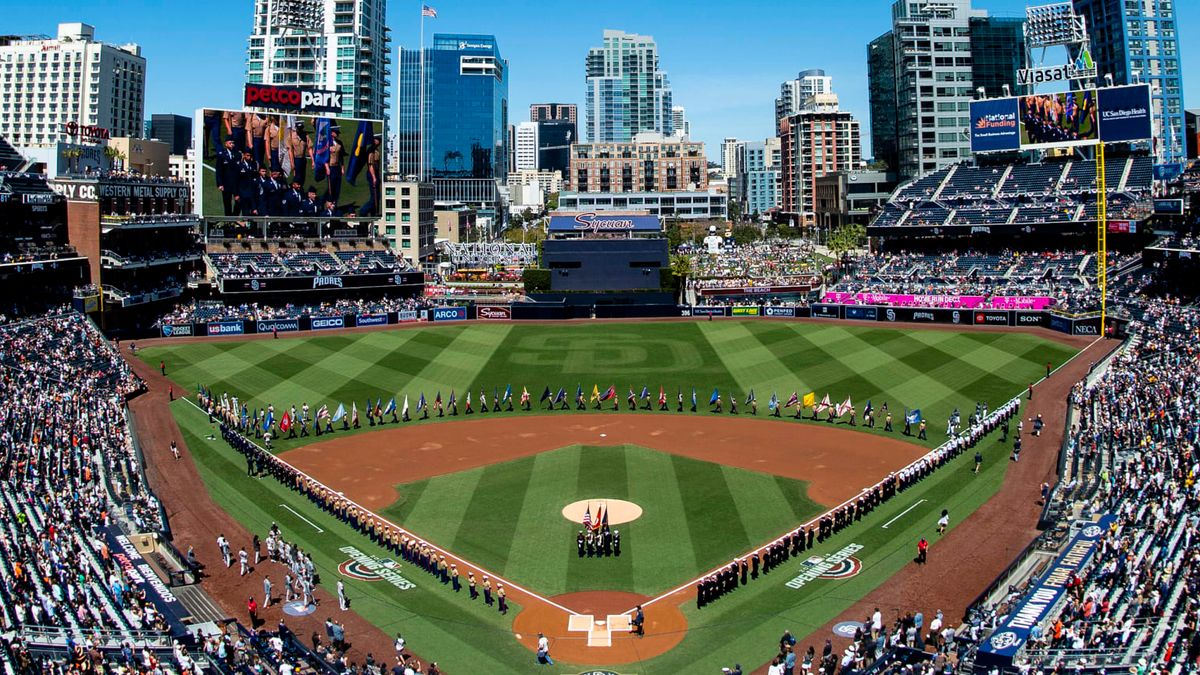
(746, 234)
(552, 201)
(846, 238)
(735, 210)
(681, 269)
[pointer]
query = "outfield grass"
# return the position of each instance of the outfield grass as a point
(696, 516)
(466, 637)
(933, 370)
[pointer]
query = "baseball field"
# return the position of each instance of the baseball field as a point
(491, 488)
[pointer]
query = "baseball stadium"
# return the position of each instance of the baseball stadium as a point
(244, 431)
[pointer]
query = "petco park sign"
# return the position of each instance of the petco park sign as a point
(298, 99)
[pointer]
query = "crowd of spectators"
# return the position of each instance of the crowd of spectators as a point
(767, 263)
(202, 311)
(297, 262)
(68, 472)
(127, 175)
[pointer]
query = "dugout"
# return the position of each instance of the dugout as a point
(610, 251)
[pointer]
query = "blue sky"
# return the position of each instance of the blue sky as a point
(725, 60)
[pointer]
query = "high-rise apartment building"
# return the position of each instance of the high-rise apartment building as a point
(464, 148)
(759, 182)
(819, 140)
(525, 150)
(928, 80)
(793, 93)
(627, 92)
(730, 157)
(679, 122)
(539, 112)
(69, 88)
(344, 47)
(1137, 42)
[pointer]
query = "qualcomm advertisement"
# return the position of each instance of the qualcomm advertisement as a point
(278, 325)
(1082, 117)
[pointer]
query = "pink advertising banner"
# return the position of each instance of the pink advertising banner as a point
(949, 301)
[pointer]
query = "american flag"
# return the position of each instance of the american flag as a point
(428, 11)
(587, 518)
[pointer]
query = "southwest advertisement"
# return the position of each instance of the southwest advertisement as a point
(1062, 119)
(263, 165)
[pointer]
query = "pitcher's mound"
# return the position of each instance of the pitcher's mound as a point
(619, 511)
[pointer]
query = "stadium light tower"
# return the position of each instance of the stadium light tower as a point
(303, 20)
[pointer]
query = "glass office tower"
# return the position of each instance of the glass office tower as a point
(465, 148)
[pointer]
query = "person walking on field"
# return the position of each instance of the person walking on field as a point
(543, 651)
(943, 522)
(922, 550)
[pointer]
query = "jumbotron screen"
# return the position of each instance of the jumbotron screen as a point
(273, 165)
(1063, 118)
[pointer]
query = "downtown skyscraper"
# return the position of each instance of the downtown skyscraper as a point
(627, 92)
(343, 46)
(463, 147)
(1138, 43)
(924, 73)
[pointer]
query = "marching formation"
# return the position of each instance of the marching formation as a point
(269, 424)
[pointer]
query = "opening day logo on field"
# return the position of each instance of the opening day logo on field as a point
(839, 565)
(369, 568)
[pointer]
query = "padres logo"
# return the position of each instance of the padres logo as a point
(356, 570)
(845, 569)
(1091, 531)
(1005, 640)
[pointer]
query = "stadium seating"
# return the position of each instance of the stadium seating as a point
(1025, 194)
(284, 263)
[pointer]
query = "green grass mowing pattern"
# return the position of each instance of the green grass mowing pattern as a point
(464, 637)
(933, 370)
(507, 516)
(460, 635)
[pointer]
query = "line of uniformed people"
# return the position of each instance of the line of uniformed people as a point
(795, 542)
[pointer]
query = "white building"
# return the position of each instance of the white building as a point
(698, 205)
(70, 88)
(408, 222)
(679, 121)
(794, 93)
(529, 188)
(730, 157)
(349, 53)
(525, 147)
(183, 167)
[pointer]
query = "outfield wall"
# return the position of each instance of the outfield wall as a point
(527, 311)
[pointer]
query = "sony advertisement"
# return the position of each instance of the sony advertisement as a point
(1061, 119)
(267, 165)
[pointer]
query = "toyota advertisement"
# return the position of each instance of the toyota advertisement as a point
(258, 165)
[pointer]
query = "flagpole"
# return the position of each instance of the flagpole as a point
(421, 113)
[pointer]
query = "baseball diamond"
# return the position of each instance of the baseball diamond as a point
(483, 493)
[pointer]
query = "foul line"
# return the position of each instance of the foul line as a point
(898, 515)
(678, 588)
(302, 517)
(427, 542)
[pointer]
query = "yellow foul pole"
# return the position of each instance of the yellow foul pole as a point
(1102, 236)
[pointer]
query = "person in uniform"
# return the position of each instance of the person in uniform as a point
(921, 430)
(502, 598)
(639, 622)
(579, 543)
(299, 151)
(887, 422)
(589, 541)
(717, 409)
(471, 585)
(372, 204)
(454, 580)
(732, 404)
(680, 396)
(632, 399)
(227, 176)
(487, 591)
